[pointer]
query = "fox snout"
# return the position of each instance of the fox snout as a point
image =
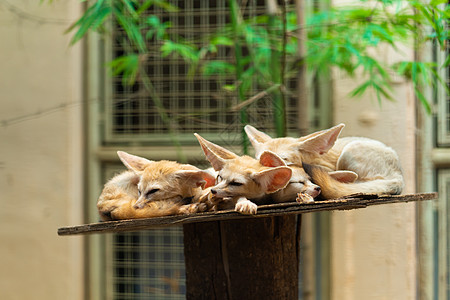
(312, 190)
(216, 192)
(220, 190)
(222, 193)
(316, 191)
(140, 203)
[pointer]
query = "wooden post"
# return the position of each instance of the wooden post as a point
(243, 259)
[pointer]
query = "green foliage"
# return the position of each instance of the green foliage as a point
(218, 67)
(128, 66)
(355, 31)
(157, 29)
(344, 37)
(188, 52)
(127, 14)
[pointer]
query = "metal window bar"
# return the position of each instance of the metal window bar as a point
(444, 98)
(442, 237)
(442, 212)
(195, 104)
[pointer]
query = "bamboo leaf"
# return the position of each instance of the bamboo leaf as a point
(403, 68)
(103, 13)
(165, 5)
(144, 6)
(132, 31)
(380, 90)
(358, 91)
(437, 2)
(94, 17)
(414, 71)
(446, 62)
(423, 100)
(218, 68)
(127, 66)
(130, 8)
(222, 40)
(229, 87)
(187, 52)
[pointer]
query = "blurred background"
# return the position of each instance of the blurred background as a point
(80, 80)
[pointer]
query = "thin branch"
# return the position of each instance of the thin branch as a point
(23, 15)
(254, 98)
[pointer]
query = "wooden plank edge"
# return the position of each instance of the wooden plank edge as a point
(352, 202)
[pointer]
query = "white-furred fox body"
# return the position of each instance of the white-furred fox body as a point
(369, 166)
(153, 189)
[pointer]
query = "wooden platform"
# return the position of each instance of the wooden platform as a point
(224, 249)
(348, 203)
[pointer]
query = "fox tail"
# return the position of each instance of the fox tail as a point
(334, 189)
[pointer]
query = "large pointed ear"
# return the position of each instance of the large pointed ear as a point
(270, 159)
(323, 141)
(215, 154)
(133, 162)
(196, 178)
(344, 176)
(256, 137)
(273, 179)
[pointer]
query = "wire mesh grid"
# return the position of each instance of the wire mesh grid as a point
(443, 97)
(146, 264)
(447, 79)
(192, 103)
(149, 265)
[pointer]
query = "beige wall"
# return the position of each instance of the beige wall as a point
(40, 152)
(373, 249)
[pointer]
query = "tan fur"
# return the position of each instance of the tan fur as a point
(243, 180)
(376, 165)
(153, 189)
(300, 182)
(334, 189)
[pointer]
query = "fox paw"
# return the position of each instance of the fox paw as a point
(193, 208)
(304, 198)
(246, 207)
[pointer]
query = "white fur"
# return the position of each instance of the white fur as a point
(245, 206)
(300, 182)
(367, 165)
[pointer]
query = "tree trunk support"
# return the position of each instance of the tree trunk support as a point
(243, 259)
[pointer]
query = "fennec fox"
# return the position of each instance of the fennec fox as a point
(368, 165)
(300, 183)
(153, 189)
(243, 180)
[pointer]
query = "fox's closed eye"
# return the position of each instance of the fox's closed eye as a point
(301, 182)
(151, 192)
(235, 183)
